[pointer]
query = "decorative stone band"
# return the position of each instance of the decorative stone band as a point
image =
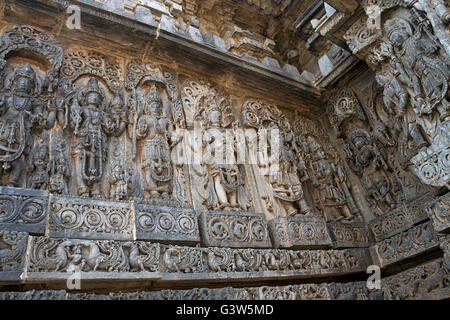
(428, 281)
(162, 223)
(54, 260)
(408, 244)
(299, 232)
(90, 219)
(23, 209)
(349, 235)
(439, 212)
(400, 219)
(332, 291)
(234, 229)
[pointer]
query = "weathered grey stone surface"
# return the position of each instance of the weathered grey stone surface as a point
(345, 164)
(234, 229)
(23, 209)
(163, 223)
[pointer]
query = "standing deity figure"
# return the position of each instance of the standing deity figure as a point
(418, 61)
(330, 181)
(119, 181)
(283, 174)
(39, 168)
(226, 178)
(155, 129)
(366, 161)
(90, 124)
(59, 172)
(20, 110)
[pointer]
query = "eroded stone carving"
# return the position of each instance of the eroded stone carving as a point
(219, 180)
(88, 111)
(407, 244)
(429, 281)
(153, 125)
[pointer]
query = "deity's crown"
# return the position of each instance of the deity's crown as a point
(153, 95)
(26, 72)
(93, 87)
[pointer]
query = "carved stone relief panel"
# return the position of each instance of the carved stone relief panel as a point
(407, 244)
(428, 281)
(13, 246)
(164, 224)
(155, 128)
(439, 212)
(227, 229)
(90, 219)
(220, 180)
(29, 64)
(91, 111)
(23, 209)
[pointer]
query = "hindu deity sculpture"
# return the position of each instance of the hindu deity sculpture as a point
(331, 184)
(21, 111)
(90, 124)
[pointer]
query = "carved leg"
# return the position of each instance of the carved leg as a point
(83, 190)
(220, 191)
(18, 168)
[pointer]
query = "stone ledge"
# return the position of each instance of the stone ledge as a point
(234, 229)
(54, 260)
(331, 291)
(408, 244)
(299, 232)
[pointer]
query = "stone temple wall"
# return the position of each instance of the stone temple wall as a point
(173, 150)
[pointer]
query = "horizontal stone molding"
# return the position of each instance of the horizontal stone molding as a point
(23, 210)
(87, 218)
(400, 219)
(55, 260)
(349, 235)
(331, 291)
(163, 223)
(299, 232)
(408, 244)
(234, 229)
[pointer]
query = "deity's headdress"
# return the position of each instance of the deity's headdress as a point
(396, 25)
(25, 72)
(153, 95)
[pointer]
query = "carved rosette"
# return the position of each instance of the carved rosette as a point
(347, 235)
(299, 232)
(90, 219)
(169, 224)
(234, 229)
(23, 209)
